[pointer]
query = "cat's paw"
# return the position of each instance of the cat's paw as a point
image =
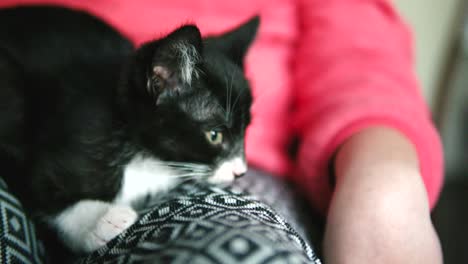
(116, 220)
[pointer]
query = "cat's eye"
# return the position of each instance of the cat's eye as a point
(214, 137)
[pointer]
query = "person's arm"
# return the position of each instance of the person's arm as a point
(353, 76)
(379, 211)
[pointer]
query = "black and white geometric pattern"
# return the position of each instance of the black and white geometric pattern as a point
(194, 223)
(18, 243)
(199, 223)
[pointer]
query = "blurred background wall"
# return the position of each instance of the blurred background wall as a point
(441, 42)
(435, 24)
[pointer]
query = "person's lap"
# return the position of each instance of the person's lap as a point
(200, 223)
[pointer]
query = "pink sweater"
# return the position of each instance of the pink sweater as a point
(321, 70)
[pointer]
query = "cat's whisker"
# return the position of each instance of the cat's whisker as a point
(190, 168)
(176, 163)
(222, 108)
(229, 88)
(192, 172)
(188, 175)
(186, 168)
(230, 96)
(192, 176)
(235, 102)
(227, 98)
(185, 165)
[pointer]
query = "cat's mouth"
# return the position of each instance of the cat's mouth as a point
(229, 170)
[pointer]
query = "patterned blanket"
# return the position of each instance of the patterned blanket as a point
(194, 223)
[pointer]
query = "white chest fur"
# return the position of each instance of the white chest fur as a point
(143, 176)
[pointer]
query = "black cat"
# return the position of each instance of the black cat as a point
(88, 125)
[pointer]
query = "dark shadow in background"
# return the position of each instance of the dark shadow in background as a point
(451, 221)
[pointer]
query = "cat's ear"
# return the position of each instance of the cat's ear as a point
(236, 42)
(178, 55)
(174, 62)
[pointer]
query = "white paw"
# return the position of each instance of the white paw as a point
(116, 220)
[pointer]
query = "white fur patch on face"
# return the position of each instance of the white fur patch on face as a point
(189, 57)
(143, 176)
(228, 170)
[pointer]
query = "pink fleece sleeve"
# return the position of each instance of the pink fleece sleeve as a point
(353, 70)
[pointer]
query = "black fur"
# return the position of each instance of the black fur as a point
(77, 102)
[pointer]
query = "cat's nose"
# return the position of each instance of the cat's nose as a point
(239, 168)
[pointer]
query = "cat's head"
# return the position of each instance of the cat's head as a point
(187, 100)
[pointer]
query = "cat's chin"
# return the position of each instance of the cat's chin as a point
(228, 171)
